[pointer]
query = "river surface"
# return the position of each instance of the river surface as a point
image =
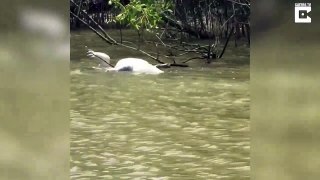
(187, 123)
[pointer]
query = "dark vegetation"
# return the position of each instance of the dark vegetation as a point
(172, 23)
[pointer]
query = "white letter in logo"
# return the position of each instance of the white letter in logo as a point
(301, 12)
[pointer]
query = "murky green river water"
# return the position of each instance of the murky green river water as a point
(188, 123)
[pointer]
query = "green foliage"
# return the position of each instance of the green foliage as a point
(141, 14)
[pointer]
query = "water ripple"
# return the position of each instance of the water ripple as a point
(173, 126)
